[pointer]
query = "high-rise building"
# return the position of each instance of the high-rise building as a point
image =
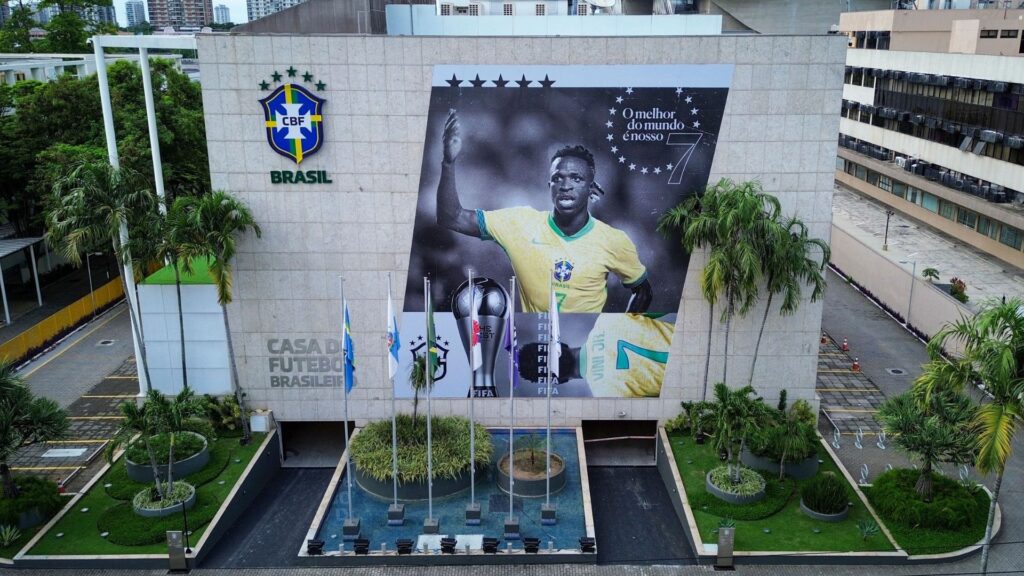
(5, 11)
(178, 13)
(136, 12)
(100, 14)
(221, 14)
(259, 8)
(933, 121)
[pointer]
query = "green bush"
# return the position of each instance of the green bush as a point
(148, 498)
(777, 494)
(895, 498)
(124, 488)
(33, 492)
(825, 494)
(185, 445)
(9, 534)
(750, 481)
(371, 449)
(127, 528)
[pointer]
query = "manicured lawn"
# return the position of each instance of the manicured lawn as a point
(81, 531)
(929, 541)
(788, 529)
(26, 535)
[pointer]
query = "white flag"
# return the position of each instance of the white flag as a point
(393, 341)
(476, 351)
(554, 338)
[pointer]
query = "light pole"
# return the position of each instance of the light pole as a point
(88, 268)
(913, 280)
(885, 242)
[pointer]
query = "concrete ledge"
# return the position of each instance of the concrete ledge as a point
(837, 517)
(143, 473)
(677, 493)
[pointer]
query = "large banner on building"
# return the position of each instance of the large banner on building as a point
(556, 175)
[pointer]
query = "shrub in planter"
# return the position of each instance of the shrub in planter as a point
(750, 481)
(825, 494)
(894, 496)
(34, 494)
(185, 446)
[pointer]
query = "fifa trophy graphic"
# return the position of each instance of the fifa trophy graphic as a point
(491, 301)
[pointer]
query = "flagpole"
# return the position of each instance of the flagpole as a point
(394, 418)
(429, 377)
(344, 356)
(547, 467)
(511, 395)
(472, 390)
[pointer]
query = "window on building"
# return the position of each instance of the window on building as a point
(899, 189)
(19, 76)
(966, 218)
(1010, 236)
(540, 9)
(581, 8)
(928, 201)
(446, 9)
(946, 209)
(985, 226)
(862, 173)
(1007, 33)
(869, 81)
(840, 164)
(885, 183)
(989, 33)
(872, 177)
(507, 9)
(474, 9)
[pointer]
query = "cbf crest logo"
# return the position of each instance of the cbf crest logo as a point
(563, 270)
(293, 116)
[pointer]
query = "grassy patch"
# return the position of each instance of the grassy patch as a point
(916, 540)
(788, 528)
(26, 535)
(81, 530)
(124, 488)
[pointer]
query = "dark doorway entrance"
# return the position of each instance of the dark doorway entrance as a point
(312, 444)
(620, 442)
(634, 519)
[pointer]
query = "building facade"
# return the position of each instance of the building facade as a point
(180, 13)
(135, 10)
(261, 8)
(221, 14)
(356, 211)
(933, 121)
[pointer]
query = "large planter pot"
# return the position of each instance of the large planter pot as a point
(30, 518)
(837, 517)
(729, 496)
(800, 470)
(416, 490)
(530, 487)
(161, 512)
(143, 472)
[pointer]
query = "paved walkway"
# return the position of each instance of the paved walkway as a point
(986, 276)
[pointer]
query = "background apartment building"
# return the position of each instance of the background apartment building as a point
(221, 14)
(178, 13)
(933, 120)
(135, 11)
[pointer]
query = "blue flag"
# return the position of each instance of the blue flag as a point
(512, 347)
(392, 340)
(350, 354)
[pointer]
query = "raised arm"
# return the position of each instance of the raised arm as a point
(640, 299)
(450, 212)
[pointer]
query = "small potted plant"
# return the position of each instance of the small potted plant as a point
(958, 289)
(930, 274)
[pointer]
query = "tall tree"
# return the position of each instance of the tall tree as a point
(790, 263)
(733, 416)
(939, 428)
(94, 203)
(993, 354)
(24, 420)
(138, 421)
(212, 224)
(15, 35)
(732, 221)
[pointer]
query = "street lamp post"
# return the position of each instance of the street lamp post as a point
(88, 269)
(913, 280)
(885, 242)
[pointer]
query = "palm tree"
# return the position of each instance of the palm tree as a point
(177, 415)
(94, 203)
(789, 435)
(993, 354)
(733, 221)
(138, 421)
(24, 420)
(791, 264)
(734, 416)
(939, 429)
(210, 224)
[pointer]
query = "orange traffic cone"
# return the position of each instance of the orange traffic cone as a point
(856, 365)
(846, 345)
(824, 338)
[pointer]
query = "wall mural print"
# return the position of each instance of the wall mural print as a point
(557, 175)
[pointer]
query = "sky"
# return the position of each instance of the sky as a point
(238, 12)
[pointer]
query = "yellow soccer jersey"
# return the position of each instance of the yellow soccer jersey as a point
(579, 263)
(625, 356)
